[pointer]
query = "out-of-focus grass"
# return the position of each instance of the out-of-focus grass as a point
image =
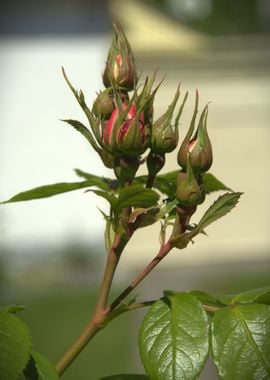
(55, 320)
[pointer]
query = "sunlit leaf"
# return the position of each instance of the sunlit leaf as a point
(174, 338)
(222, 206)
(240, 342)
(136, 196)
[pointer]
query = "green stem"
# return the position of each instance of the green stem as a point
(164, 250)
(102, 315)
(150, 181)
(98, 319)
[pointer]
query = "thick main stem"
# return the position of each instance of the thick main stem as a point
(97, 321)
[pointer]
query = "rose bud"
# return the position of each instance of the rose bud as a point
(104, 104)
(120, 70)
(198, 148)
(164, 134)
(188, 190)
(125, 132)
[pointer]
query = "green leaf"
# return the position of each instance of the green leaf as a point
(14, 308)
(126, 377)
(240, 342)
(103, 183)
(259, 295)
(174, 338)
(15, 346)
(109, 197)
(40, 368)
(205, 298)
(56, 188)
(211, 184)
(135, 196)
(167, 183)
(222, 206)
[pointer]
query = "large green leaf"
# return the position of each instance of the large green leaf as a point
(135, 196)
(174, 338)
(58, 188)
(241, 342)
(15, 346)
(222, 206)
(126, 377)
(40, 368)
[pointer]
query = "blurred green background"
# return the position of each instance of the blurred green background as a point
(51, 251)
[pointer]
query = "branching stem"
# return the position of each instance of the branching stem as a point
(164, 250)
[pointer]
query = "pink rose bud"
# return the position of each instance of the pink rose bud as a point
(197, 147)
(120, 70)
(126, 132)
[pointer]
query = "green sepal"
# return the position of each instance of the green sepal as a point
(188, 191)
(164, 134)
(80, 127)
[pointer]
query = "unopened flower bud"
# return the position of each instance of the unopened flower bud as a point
(164, 134)
(120, 70)
(198, 148)
(188, 190)
(104, 104)
(125, 132)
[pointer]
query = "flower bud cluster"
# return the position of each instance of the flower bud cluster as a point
(123, 124)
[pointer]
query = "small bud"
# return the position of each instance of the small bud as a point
(188, 190)
(164, 134)
(125, 132)
(198, 148)
(104, 104)
(120, 70)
